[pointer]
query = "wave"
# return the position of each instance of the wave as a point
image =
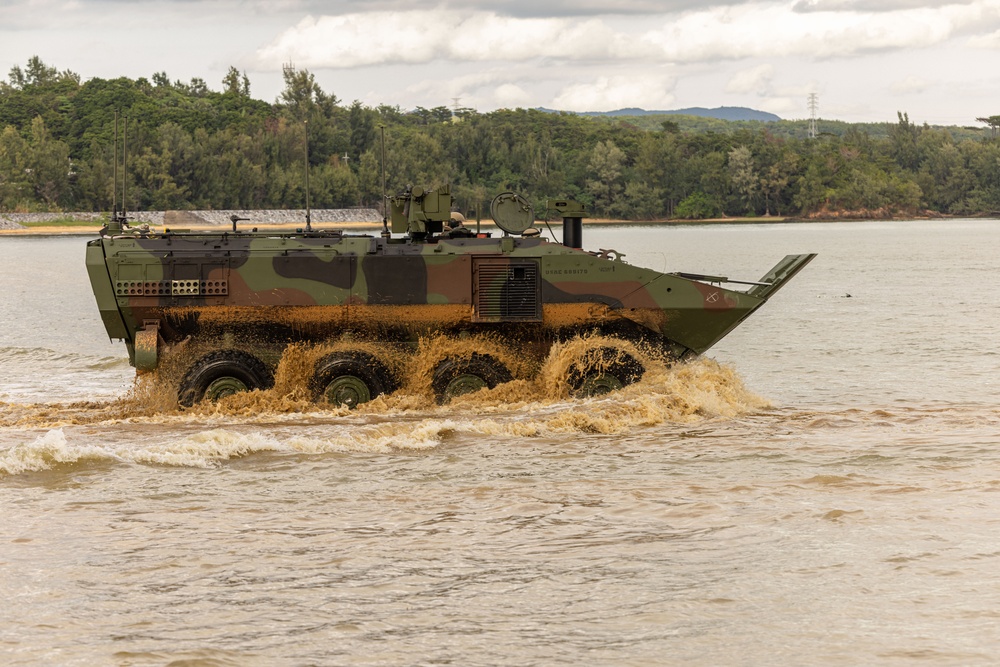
(43, 374)
(212, 447)
(204, 449)
(703, 396)
(66, 360)
(686, 394)
(665, 393)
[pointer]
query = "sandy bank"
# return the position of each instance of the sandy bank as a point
(92, 229)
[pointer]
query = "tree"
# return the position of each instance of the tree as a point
(369, 181)
(994, 123)
(49, 166)
(775, 179)
(812, 191)
(235, 83)
(194, 147)
(362, 123)
(643, 201)
(302, 96)
(14, 170)
(698, 206)
(745, 179)
(658, 164)
(903, 142)
(606, 164)
(37, 73)
(303, 101)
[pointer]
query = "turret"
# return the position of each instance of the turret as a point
(420, 212)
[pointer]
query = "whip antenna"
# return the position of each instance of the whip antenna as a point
(385, 200)
(124, 166)
(308, 212)
(114, 176)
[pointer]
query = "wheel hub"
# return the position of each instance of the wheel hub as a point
(598, 384)
(224, 386)
(465, 383)
(347, 390)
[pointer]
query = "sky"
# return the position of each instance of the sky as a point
(865, 60)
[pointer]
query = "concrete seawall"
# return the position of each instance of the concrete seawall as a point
(199, 218)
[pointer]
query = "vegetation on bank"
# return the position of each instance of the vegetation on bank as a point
(191, 147)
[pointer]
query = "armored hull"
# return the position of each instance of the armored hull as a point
(157, 291)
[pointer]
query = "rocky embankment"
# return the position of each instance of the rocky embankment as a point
(201, 218)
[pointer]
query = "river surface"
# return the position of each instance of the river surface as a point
(823, 488)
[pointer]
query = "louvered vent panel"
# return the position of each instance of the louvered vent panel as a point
(507, 292)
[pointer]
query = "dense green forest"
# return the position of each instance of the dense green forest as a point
(191, 147)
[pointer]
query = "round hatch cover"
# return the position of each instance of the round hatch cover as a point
(512, 212)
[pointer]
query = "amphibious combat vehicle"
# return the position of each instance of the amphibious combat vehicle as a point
(250, 294)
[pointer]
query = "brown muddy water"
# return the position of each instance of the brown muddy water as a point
(822, 489)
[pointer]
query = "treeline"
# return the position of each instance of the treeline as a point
(191, 147)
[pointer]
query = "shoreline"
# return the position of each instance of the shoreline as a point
(93, 230)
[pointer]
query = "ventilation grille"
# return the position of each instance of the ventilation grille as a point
(172, 288)
(142, 288)
(507, 292)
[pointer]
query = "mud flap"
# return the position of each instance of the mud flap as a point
(782, 272)
(147, 342)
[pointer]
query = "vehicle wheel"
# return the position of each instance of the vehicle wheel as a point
(603, 370)
(350, 378)
(456, 376)
(223, 373)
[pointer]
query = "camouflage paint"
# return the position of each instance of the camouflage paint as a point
(317, 286)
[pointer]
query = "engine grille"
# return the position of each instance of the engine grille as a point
(507, 291)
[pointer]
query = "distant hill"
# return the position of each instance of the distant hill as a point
(722, 113)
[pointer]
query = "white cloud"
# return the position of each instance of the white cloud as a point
(356, 40)
(490, 88)
(511, 96)
(911, 84)
(763, 30)
(574, 54)
(782, 105)
(519, 8)
(990, 41)
(870, 5)
(754, 29)
(754, 80)
(607, 93)
(491, 37)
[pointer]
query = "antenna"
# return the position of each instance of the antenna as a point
(385, 222)
(124, 165)
(813, 107)
(114, 178)
(308, 212)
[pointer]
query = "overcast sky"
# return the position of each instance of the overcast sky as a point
(866, 59)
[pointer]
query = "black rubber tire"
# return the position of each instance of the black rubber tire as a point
(216, 366)
(487, 368)
(603, 362)
(361, 366)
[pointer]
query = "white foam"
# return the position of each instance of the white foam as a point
(48, 451)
